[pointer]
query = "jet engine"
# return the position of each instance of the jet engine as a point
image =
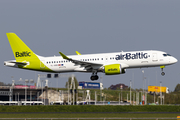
(113, 69)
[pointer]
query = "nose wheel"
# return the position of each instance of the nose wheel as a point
(162, 73)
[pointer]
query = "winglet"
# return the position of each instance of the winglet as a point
(64, 56)
(78, 53)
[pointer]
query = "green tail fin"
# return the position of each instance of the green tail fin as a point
(23, 54)
(20, 50)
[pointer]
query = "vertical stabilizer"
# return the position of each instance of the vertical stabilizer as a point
(25, 57)
(20, 50)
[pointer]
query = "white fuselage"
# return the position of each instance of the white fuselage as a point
(133, 59)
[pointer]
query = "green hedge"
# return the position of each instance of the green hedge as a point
(90, 108)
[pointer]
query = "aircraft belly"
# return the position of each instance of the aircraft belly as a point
(138, 63)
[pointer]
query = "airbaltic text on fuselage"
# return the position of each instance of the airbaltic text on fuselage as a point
(129, 56)
(23, 54)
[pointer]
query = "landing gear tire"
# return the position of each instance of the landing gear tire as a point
(163, 73)
(97, 77)
(94, 77)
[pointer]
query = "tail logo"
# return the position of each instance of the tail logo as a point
(23, 54)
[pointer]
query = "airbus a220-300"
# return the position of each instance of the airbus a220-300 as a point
(108, 63)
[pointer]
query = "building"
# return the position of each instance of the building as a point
(118, 86)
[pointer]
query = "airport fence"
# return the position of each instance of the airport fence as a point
(89, 119)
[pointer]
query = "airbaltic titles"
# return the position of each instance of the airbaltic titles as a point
(129, 56)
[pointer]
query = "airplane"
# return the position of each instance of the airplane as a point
(108, 63)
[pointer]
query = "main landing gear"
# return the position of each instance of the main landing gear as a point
(163, 73)
(94, 76)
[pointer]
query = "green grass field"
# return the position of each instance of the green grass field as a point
(89, 115)
(88, 111)
(90, 108)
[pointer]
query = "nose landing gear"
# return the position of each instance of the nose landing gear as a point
(163, 73)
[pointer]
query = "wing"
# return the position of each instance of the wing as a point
(87, 65)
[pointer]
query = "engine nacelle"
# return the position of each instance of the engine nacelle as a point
(113, 69)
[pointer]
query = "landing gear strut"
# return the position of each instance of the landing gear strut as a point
(163, 73)
(94, 76)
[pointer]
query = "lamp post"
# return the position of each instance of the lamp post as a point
(13, 81)
(30, 95)
(68, 92)
(143, 81)
(119, 98)
(42, 89)
(143, 89)
(101, 89)
(121, 92)
(161, 92)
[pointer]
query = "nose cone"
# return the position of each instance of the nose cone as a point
(174, 60)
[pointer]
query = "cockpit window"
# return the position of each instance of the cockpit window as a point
(166, 55)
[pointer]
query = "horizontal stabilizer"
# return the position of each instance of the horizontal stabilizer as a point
(14, 63)
(19, 63)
